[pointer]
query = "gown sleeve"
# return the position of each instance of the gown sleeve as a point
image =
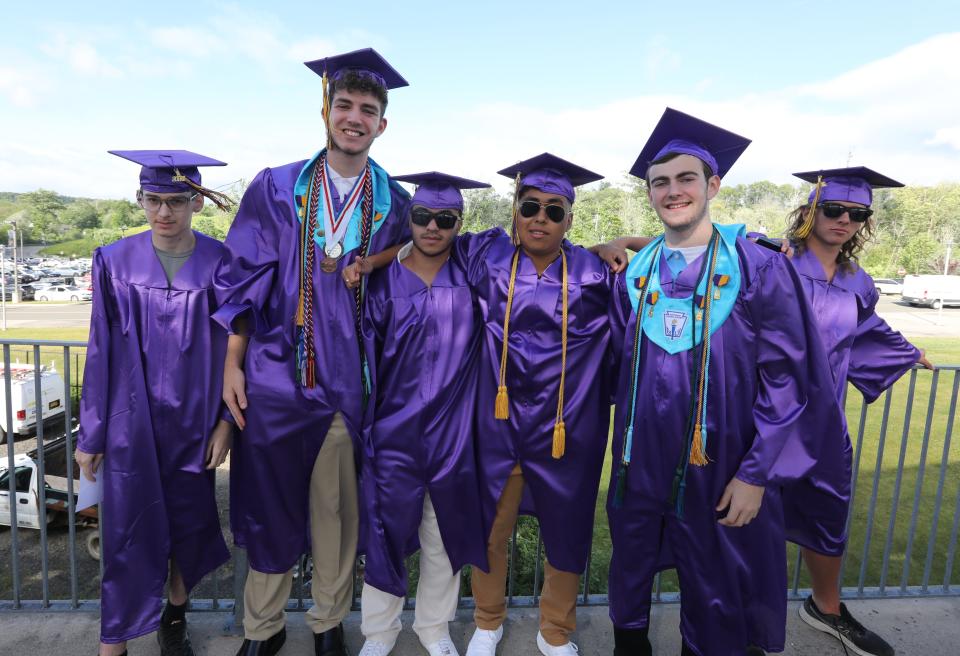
(798, 423)
(879, 355)
(248, 269)
(96, 372)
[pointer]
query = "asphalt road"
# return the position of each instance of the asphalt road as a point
(911, 321)
(47, 315)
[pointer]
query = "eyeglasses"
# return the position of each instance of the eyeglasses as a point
(530, 208)
(174, 203)
(836, 210)
(445, 219)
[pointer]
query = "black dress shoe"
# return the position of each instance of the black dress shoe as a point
(267, 647)
(753, 650)
(330, 643)
(174, 639)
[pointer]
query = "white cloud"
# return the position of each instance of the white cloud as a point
(187, 41)
(81, 56)
(19, 87)
(949, 136)
(893, 114)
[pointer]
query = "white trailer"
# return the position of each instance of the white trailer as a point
(930, 291)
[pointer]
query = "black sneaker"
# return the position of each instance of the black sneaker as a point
(753, 650)
(852, 634)
(174, 639)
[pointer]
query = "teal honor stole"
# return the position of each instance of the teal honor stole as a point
(682, 324)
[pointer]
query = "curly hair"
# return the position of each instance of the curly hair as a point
(355, 82)
(849, 252)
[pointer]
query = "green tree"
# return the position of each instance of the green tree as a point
(43, 209)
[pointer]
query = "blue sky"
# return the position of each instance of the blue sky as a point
(815, 84)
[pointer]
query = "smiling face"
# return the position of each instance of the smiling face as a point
(539, 236)
(432, 240)
(679, 191)
(835, 232)
(356, 119)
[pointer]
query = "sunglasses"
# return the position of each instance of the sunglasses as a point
(445, 220)
(835, 211)
(530, 208)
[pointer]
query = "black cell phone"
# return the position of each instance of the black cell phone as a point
(772, 244)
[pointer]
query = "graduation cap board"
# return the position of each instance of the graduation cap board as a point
(437, 190)
(550, 174)
(852, 184)
(679, 133)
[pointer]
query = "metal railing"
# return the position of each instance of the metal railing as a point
(900, 545)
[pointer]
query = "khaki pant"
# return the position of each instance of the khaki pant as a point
(334, 525)
(558, 598)
(436, 593)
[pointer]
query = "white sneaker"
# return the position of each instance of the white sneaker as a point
(484, 643)
(547, 649)
(374, 648)
(443, 647)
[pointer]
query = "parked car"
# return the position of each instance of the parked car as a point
(888, 285)
(23, 397)
(63, 293)
(931, 290)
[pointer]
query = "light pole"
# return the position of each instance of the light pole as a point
(16, 278)
(943, 287)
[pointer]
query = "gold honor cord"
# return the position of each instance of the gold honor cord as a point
(502, 404)
(559, 429)
(807, 226)
(698, 456)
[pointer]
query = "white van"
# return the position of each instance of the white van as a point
(929, 290)
(24, 398)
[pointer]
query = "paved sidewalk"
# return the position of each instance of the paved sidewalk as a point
(913, 626)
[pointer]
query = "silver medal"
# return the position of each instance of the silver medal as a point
(333, 250)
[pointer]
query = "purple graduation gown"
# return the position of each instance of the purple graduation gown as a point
(771, 419)
(424, 347)
(151, 397)
(258, 279)
(561, 493)
(861, 348)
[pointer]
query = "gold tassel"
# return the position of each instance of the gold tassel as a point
(807, 226)
(325, 111)
(514, 234)
(697, 455)
(502, 405)
(559, 439)
(222, 201)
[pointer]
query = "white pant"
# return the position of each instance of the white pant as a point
(436, 593)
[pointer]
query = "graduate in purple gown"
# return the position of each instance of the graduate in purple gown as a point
(827, 234)
(149, 412)
(724, 395)
(544, 397)
(294, 377)
(422, 331)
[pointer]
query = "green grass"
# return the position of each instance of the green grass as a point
(941, 351)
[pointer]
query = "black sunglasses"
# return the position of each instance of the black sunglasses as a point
(530, 208)
(836, 210)
(445, 220)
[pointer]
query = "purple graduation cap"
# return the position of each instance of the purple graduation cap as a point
(550, 174)
(437, 190)
(854, 184)
(366, 62)
(168, 171)
(683, 134)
